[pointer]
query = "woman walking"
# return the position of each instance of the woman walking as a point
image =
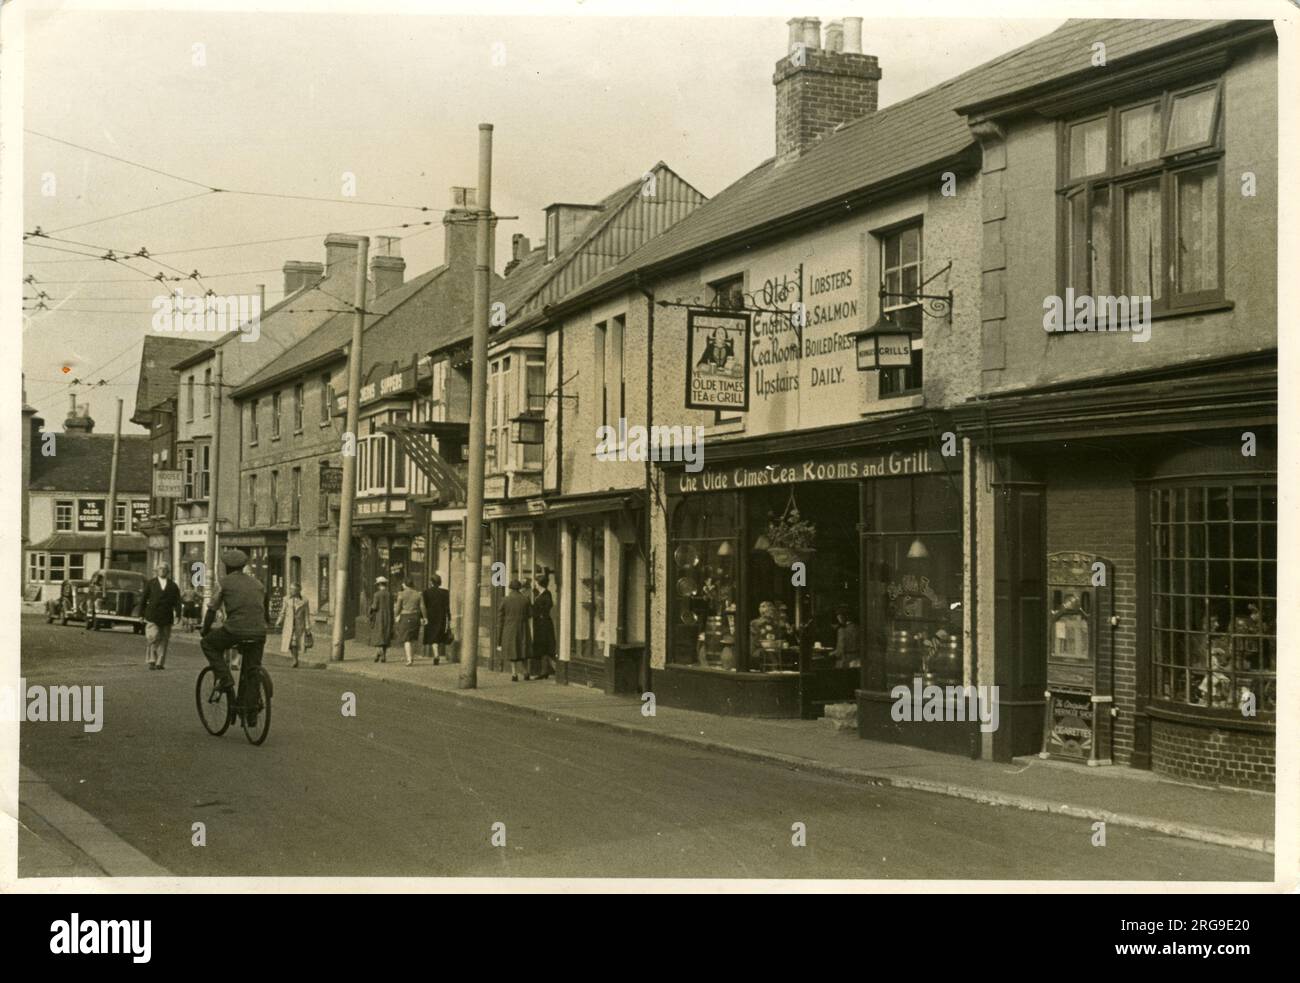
(380, 617)
(409, 613)
(437, 619)
(294, 624)
(543, 627)
(512, 633)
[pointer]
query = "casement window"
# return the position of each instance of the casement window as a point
(187, 472)
(535, 397)
(1214, 595)
(297, 408)
(63, 516)
(207, 392)
(901, 265)
(501, 407)
(326, 399)
(36, 566)
(275, 416)
(58, 567)
(76, 566)
(252, 421)
(1141, 198)
(203, 458)
(119, 517)
(728, 294)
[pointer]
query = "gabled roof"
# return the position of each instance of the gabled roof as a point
(866, 156)
(158, 382)
(84, 462)
(335, 333)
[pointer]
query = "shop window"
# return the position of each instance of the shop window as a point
(1140, 200)
(1214, 595)
(912, 560)
(63, 516)
(519, 555)
(705, 628)
(587, 610)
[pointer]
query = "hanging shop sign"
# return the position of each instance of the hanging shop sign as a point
(168, 484)
(90, 514)
(717, 360)
(331, 478)
(884, 464)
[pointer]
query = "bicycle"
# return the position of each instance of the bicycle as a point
(213, 703)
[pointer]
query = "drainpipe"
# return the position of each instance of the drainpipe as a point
(649, 490)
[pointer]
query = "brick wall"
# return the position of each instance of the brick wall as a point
(1091, 509)
(829, 88)
(1211, 756)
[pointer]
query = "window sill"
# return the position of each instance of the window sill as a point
(1183, 713)
(1207, 308)
(298, 432)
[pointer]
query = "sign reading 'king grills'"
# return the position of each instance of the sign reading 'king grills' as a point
(717, 360)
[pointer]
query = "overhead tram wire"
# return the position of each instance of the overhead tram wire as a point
(230, 191)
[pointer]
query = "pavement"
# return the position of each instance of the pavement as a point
(1116, 795)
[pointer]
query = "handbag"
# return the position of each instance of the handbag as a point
(448, 637)
(307, 640)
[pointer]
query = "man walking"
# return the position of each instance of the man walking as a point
(243, 600)
(161, 607)
(512, 634)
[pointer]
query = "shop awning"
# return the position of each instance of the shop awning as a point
(594, 504)
(413, 440)
(82, 542)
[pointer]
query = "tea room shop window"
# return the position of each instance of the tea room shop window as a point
(1141, 200)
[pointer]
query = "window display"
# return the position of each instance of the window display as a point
(1214, 595)
(704, 583)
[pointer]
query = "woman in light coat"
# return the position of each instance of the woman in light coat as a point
(294, 623)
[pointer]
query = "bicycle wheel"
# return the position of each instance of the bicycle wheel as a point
(260, 726)
(213, 705)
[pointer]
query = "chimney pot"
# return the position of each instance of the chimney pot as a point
(812, 32)
(835, 36)
(853, 35)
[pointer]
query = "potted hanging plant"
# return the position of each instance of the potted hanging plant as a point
(790, 537)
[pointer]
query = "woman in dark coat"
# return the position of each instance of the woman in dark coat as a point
(512, 635)
(543, 627)
(381, 619)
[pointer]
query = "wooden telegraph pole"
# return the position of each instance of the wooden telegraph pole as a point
(349, 491)
(112, 490)
(477, 415)
(210, 561)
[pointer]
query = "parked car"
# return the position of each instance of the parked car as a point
(115, 599)
(71, 604)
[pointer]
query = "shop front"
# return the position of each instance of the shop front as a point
(1135, 610)
(266, 561)
(795, 581)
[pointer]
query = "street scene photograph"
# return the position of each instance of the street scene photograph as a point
(831, 449)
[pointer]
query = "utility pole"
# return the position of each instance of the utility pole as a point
(477, 416)
(210, 560)
(110, 519)
(349, 490)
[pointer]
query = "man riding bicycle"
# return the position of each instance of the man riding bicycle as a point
(243, 600)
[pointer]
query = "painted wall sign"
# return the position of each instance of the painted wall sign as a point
(139, 512)
(90, 514)
(890, 464)
(168, 484)
(331, 478)
(717, 360)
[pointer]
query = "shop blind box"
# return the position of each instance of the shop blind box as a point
(1077, 721)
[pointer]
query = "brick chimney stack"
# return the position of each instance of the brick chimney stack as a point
(299, 274)
(460, 229)
(818, 88)
(387, 268)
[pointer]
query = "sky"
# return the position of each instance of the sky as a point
(293, 103)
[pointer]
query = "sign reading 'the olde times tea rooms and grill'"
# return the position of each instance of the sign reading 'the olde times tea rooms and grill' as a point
(717, 360)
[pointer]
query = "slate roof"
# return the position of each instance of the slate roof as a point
(908, 136)
(158, 382)
(336, 331)
(83, 462)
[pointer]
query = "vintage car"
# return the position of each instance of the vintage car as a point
(115, 599)
(70, 605)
